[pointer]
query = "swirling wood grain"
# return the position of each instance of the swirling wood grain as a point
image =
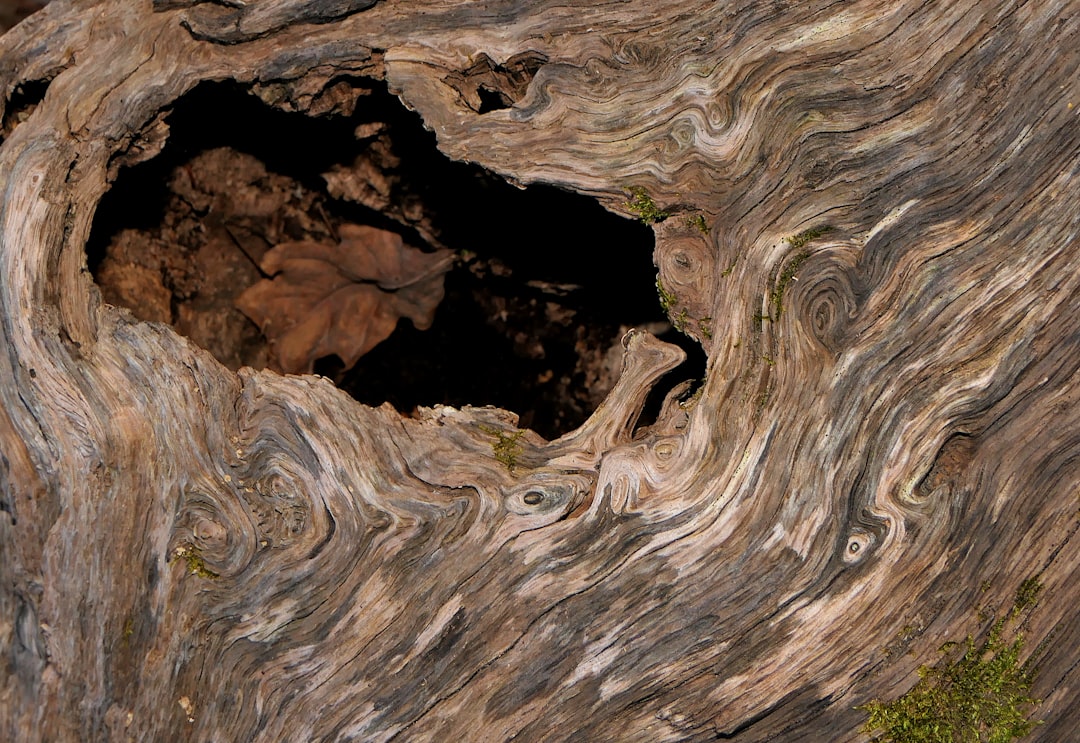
(886, 445)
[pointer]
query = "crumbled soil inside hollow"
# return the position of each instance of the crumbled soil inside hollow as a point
(543, 288)
(224, 211)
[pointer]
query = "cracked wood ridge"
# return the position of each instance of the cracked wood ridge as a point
(887, 444)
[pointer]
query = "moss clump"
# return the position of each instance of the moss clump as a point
(643, 206)
(1027, 594)
(667, 299)
(507, 446)
(977, 693)
(680, 320)
(799, 241)
(776, 299)
(704, 329)
(803, 238)
(698, 221)
(196, 565)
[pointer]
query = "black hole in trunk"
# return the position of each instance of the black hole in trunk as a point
(24, 99)
(492, 100)
(544, 285)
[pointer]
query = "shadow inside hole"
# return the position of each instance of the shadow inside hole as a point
(492, 100)
(24, 99)
(545, 285)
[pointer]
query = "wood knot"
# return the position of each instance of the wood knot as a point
(212, 533)
(551, 492)
(534, 497)
(821, 289)
(949, 468)
(858, 546)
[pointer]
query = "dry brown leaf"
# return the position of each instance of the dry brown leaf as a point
(342, 299)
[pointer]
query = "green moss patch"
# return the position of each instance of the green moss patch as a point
(977, 693)
(643, 206)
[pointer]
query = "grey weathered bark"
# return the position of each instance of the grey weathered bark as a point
(887, 441)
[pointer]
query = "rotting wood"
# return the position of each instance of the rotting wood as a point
(195, 554)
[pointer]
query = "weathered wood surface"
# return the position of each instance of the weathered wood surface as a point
(897, 447)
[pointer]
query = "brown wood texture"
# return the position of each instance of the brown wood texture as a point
(888, 439)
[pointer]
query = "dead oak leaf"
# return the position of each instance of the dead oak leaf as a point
(342, 299)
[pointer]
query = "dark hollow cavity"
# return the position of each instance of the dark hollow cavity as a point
(543, 287)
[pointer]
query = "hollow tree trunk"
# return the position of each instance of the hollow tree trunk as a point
(887, 444)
